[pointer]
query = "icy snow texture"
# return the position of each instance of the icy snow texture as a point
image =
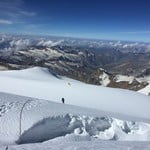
(103, 128)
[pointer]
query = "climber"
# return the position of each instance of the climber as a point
(63, 100)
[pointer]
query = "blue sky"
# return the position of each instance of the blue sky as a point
(104, 19)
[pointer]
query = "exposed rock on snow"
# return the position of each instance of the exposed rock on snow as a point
(121, 81)
(145, 90)
(104, 78)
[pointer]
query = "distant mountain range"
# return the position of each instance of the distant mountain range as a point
(80, 59)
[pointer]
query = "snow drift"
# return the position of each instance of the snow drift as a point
(104, 128)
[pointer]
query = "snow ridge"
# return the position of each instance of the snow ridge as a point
(104, 128)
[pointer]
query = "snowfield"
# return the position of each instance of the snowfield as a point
(64, 144)
(91, 114)
(40, 83)
(42, 120)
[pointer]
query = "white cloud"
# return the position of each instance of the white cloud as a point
(137, 32)
(27, 13)
(3, 21)
(14, 10)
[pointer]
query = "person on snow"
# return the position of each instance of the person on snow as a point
(63, 100)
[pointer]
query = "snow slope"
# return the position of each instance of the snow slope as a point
(81, 145)
(145, 90)
(40, 83)
(44, 120)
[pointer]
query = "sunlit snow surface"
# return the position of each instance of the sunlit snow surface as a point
(104, 114)
(40, 83)
(43, 120)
